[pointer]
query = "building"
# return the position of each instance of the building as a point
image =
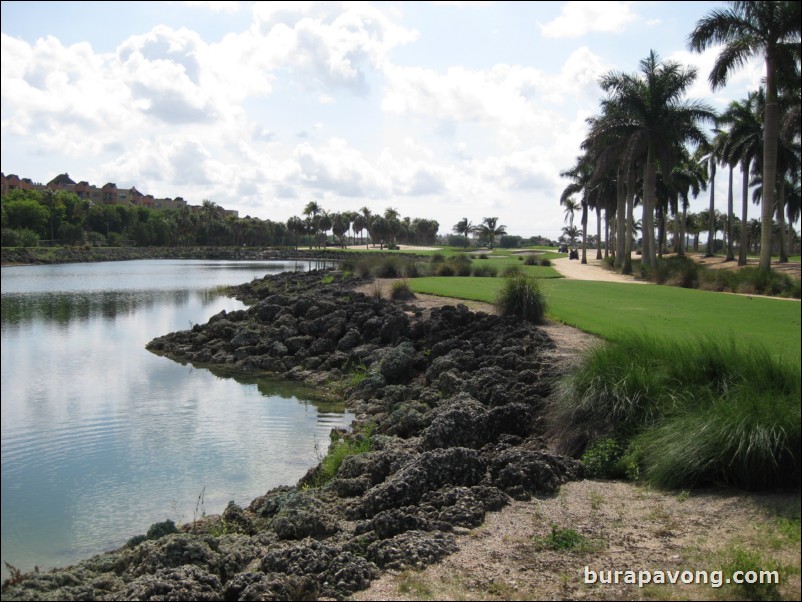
(108, 194)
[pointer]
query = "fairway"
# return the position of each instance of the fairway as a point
(609, 309)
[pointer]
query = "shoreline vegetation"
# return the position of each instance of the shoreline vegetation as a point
(459, 414)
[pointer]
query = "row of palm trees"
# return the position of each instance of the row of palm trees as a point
(489, 231)
(693, 225)
(387, 228)
(648, 145)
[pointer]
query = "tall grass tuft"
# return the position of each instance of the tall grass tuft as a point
(388, 267)
(400, 291)
(485, 270)
(521, 296)
(690, 413)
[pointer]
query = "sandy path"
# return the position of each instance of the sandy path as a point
(594, 269)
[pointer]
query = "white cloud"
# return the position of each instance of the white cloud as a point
(748, 76)
(217, 7)
(336, 43)
(338, 168)
(579, 18)
(64, 98)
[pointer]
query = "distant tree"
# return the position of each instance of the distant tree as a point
(464, 227)
(490, 229)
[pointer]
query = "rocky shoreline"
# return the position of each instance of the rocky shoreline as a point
(449, 407)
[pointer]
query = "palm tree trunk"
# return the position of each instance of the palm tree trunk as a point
(649, 183)
(661, 230)
(730, 220)
(711, 216)
(742, 252)
(620, 223)
(626, 267)
(771, 129)
(598, 232)
(781, 219)
(584, 231)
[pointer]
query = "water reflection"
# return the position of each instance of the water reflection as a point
(101, 438)
(66, 307)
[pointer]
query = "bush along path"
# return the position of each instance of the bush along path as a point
(449, 427)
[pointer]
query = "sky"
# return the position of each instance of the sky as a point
(440, 110)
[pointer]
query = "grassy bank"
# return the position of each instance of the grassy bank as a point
(683, 414)
(691, 388)
(612, 310)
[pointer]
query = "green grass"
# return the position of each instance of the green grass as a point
(689, 413)
(611, 310)
(341, 449)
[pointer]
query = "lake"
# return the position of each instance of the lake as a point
(101, 438)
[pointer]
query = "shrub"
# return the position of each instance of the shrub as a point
(400, 291)
(22, 237)
(364, 268)
(762, 283)
(388, 267)
(521, 296)
(156, 531)
(531, 260)
(511, 270)
(462, 269)
(445, 269)
(688, 414)
(412, 269)
(484, 270)
(545, 262)
(438, 258)
(602, 459)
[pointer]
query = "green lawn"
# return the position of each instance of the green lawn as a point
(611, 309)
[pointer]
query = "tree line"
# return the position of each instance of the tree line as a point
(383, 229)
(31, 216)
(648, 147)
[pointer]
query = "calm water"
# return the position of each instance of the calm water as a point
(101, 438)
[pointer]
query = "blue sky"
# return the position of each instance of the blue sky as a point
(440, 110)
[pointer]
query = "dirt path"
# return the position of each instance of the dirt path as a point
(594, 269)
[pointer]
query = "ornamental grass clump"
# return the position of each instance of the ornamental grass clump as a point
(687, 414)
(521, 296)
(485, 270)
(400, 291)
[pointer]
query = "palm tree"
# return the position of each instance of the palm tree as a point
(489, 229)
(746, 144)
(571, 233)
(610, 151)
(464, 226)
(571, 205)
(297, 227)
(688, 179)
(655, 119)
(311, 211)
(359, 224)
(766, 28)
(339, 226)
(723, 149)
(581, 175)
